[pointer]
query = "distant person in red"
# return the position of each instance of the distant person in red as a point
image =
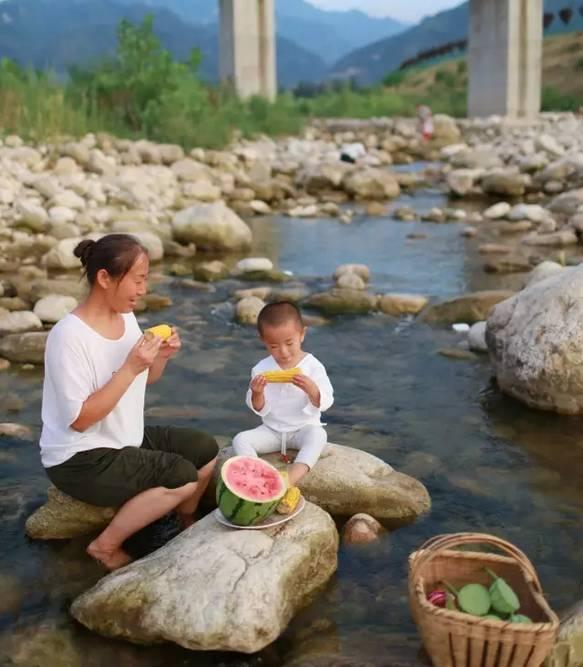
(425, 119)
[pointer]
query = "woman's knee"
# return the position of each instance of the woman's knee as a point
(241, 442)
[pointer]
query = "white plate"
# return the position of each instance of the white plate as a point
(270, 522)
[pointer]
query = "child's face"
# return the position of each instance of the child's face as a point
(284, 342)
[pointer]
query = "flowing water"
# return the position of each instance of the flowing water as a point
(489, 463)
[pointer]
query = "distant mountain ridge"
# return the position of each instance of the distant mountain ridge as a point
(370, 64)
(328, 34)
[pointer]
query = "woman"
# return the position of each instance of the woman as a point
(93, 444)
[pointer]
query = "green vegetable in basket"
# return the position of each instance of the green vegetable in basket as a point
(472, 598)
(519, 618)
(504, 599)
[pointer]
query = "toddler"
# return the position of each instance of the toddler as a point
(290, 411)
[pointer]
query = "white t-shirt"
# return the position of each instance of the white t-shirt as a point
(287, 407)
(78, 362)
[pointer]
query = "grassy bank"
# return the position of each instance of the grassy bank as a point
(142, 92)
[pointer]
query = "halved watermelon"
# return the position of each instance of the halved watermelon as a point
(248, 490)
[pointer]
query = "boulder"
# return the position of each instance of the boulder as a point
(504, 182)
(323, 176)
(53, 307)
(402, 304)
(19, 321)
(24, 348)
(543, 271)
(63, 517)
(500, 210)
(247, 309)
(477, 337)
(535, 342)
(348, 481)
(350, 281)
(61, 256)
(372, 183)
(339, 301)
(153, 244)
(211, 227)
(569, 649)
(361, 270)
(361, 529)
(462, 181)
(568, 202)
(32, 215)
(469, 308)
(252, 264)
(215, 588)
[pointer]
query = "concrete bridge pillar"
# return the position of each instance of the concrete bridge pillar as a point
(247, 47)
(505, 58)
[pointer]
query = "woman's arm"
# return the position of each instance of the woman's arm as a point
(101, 402)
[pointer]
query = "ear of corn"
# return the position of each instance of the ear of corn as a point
(288, 504)
(163, 331)
(282, 376)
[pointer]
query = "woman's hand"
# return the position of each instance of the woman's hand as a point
(304, 383)
(171, 346)
(143, 354)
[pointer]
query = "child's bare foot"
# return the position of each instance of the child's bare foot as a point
(112, 559)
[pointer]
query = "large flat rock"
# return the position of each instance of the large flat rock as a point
(216, 588)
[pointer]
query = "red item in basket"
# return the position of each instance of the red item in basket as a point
(438, 598)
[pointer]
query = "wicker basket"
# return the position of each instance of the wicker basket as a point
(454, 639)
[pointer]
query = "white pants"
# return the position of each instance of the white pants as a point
(309, 440)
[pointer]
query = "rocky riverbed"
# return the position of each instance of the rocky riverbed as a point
(384, 257)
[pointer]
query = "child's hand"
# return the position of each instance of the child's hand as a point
(310, 387)
(258, 384)
(170, 347)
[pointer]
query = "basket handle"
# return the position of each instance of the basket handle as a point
(439, 543)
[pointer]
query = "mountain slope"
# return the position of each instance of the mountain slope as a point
(84, 31)
(373, 62)
(329, 34)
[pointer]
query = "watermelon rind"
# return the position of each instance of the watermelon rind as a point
(241, 510)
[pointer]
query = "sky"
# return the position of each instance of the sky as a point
(411, 11)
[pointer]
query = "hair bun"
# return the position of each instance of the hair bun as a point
(83, 250)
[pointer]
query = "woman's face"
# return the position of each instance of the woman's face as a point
(123, 295)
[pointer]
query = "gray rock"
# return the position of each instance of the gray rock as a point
(500, 210)
(247, 309)
(543, 271)
(342, 301)
(568, 202)
(63, 517)
(470, 308)
(536, 341)
(215, 588)
(212, 227)
(19, 321)
(402, 304)
(24, 348)
(53, 307)
(371, 183)
(504, 182)
(477, 337)
(360, 270)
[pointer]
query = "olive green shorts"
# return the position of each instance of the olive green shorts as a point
(169, 457)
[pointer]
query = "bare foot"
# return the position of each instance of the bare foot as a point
(111, 559)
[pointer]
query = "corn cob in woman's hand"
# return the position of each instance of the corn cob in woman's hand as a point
(286, 375)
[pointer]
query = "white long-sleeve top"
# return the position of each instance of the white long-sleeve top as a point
(287, 407)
